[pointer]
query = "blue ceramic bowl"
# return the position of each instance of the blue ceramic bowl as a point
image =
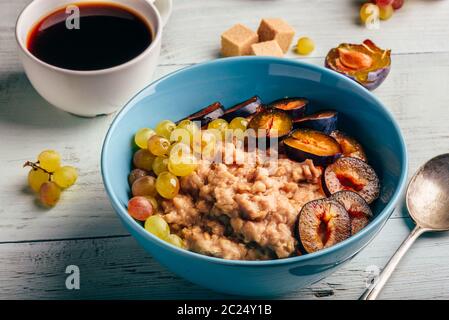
(230, 81)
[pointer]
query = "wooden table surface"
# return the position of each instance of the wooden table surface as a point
(36, 244)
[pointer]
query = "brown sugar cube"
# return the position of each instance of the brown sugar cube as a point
(276, 29)
(237, 41)
(267, 48)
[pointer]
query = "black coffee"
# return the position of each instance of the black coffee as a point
(108, 35)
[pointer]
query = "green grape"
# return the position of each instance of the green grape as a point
(153, 202)
(179, 149)
(180, 135)
(65, 176)
(182, 166)
(141, 137)
(218, 124)
(49, 193)
(192, 129)
(209, 141)
(238, 123)
(175, 240)
(157, 226)
(165, 128)
(36, 177)
(158, 145)
(49, 160)
(144, 186)
(136, 174)
(143, 159)
(140, 208)
(167, 185)
(160, 164)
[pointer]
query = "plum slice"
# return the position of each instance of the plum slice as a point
(311, 144)
(207, 114)
(244, 109)
(325, 121)
(349, 146)
(294, 107)
(357, 208)
(354, 175)
(365, 63)
(272, 123)
(323, 223)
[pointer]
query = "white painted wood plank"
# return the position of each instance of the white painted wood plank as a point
(415, 92)
(119, 268)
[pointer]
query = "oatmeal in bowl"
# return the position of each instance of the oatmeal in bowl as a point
(252, 182)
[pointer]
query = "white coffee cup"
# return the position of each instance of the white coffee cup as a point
(91, 93)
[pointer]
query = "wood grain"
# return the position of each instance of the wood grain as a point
(117, 268)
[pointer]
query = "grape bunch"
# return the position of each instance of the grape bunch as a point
(47, 177)
(379, 9)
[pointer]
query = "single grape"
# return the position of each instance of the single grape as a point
(36, 177)
(157, 226)
(49, 160)
(167, 185)
(136, 174)
(386, 12)
(218, 124)
(144, 186)
(192, 128)
(305, 46)
(160, 164)
(158, 145)
(180, 135)
(397, 4)
(65, 176)
(140, 208)
(141, 137)
(143, 159)
(49, 193)
(153, 202)
(368, 10)
(182, 166)
(175, 240)
(165, 128)
(238, 123)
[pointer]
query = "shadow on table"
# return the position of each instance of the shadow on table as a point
(21, 104)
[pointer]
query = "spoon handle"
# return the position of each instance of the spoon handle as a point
(373, 291)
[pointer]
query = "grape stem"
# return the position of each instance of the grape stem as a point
(35, 166)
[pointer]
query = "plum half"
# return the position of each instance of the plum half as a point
(207, 114)
(311, 144)
(365, 63)
(359, 211)
(323, 223)
(325, 121)
(349, 146)
(354, 175)
(272, 123)
(244, 109)
(294, 107)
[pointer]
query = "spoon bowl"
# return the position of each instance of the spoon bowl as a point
(428, 195)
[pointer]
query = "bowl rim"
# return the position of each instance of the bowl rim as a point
(131, 223)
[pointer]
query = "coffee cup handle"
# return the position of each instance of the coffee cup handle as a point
(165, 8)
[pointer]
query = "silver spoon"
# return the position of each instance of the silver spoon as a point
(428, 204)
